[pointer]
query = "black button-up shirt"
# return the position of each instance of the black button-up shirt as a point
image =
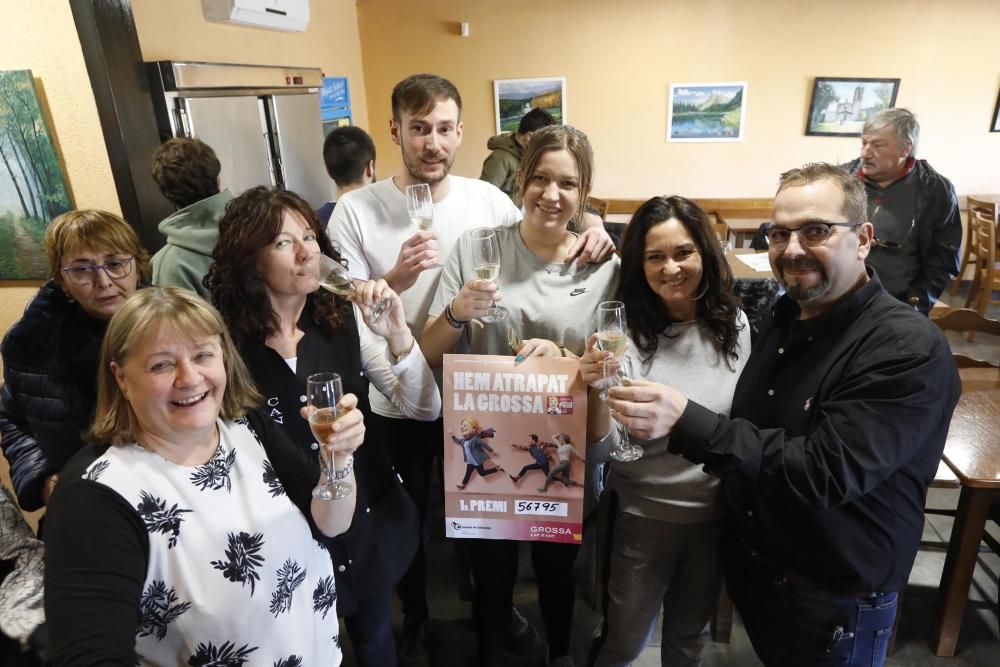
(837, 427)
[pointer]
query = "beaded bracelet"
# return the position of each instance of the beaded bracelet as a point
(346, 470)
(453, 321)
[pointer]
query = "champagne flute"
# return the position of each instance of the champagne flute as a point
(420, 206)
(612, 333)
(486, 259)
(615, 371)
(335, 278)
(323, 393)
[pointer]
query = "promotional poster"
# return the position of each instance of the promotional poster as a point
(514, 448)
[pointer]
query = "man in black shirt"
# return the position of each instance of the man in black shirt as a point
(914, 209)
(836, 429)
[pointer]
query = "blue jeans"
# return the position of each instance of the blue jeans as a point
(789, 626)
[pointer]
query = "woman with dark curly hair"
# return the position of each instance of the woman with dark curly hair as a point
(685, 328)
(264, 280)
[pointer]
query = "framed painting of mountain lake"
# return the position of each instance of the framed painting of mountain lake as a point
(840, 107)
(512, 98)
(706, 111)
(32, 183)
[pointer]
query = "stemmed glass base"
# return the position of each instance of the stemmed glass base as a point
(329, 488)
(625, 451)
(495, 314)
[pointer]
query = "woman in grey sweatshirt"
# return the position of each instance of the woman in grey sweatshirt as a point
(686, 328)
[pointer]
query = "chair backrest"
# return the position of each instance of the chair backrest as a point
(598, 206)
(983, 227)
(721, 229)
(964, 320)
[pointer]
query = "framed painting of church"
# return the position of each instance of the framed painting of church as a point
(841, 105)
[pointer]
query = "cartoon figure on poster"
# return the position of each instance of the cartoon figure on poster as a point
(566, 451)
(475, 449)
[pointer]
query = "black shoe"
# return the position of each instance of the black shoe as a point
(413, 649)
(522, 637)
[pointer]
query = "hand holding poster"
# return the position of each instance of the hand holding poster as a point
(515, 441)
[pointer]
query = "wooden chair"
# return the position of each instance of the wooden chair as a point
(967, 321)
(598, 207)
(968, 250)
(983, 216)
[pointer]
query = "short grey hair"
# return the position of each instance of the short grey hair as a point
(855, 207)
(903, 123)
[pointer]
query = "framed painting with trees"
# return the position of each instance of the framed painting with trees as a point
(512, 98)
(840, 106)
(33, 187)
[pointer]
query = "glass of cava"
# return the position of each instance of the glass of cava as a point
(323, 394)
(615, 371)
(333, 276)
(486, 259)
(612, 332)
(420, 206)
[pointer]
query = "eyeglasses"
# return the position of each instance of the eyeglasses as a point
(811, 234)
(82, 274)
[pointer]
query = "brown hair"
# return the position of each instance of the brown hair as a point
(145, 314)
(419, 93)
(94, 229)
(187, 170)
(560, 138)
(855, 206)
(252, 222)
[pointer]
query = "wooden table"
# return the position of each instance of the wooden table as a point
(742, 271)
(973, 453)
(743, 227)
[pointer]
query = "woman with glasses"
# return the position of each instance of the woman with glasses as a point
(265, 280)
(50, 356)
(686, 328)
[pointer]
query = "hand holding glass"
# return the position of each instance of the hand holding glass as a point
(612, 332)
(323, 393)
(335, 278)
(420, 206)
(615, 371)
(486, 259)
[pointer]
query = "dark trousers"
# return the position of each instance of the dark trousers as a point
(494, 572)
(412, 447)
(481, 469)
(791, 624)
(544, 467)
(371, 632)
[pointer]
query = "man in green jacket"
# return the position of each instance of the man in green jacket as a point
(500, 168)
(187, 172)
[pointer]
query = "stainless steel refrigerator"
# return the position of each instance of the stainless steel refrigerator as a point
(263, 122)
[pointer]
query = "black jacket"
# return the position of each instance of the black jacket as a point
(50, 386)
(938, 224)
(373, 555)
(837, 427)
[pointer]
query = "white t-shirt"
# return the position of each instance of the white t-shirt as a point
(371, 223)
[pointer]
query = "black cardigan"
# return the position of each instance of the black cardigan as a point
(373, 555)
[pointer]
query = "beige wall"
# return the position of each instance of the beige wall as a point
(41, 36)
(177, 30)
(620, 57)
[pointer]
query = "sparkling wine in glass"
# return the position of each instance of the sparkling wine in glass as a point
(615, 371)
(335, 278)
(323, 393)
(486, 259)
(612, 332)
(420, 206)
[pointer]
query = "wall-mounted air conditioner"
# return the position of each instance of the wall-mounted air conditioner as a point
(292, 15)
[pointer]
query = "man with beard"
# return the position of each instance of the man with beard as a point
(836, 429)
(373, 230)
(918, 229)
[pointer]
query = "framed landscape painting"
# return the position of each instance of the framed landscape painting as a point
(32, 183)
(706, 111)
(512, 98)
(840, 106)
